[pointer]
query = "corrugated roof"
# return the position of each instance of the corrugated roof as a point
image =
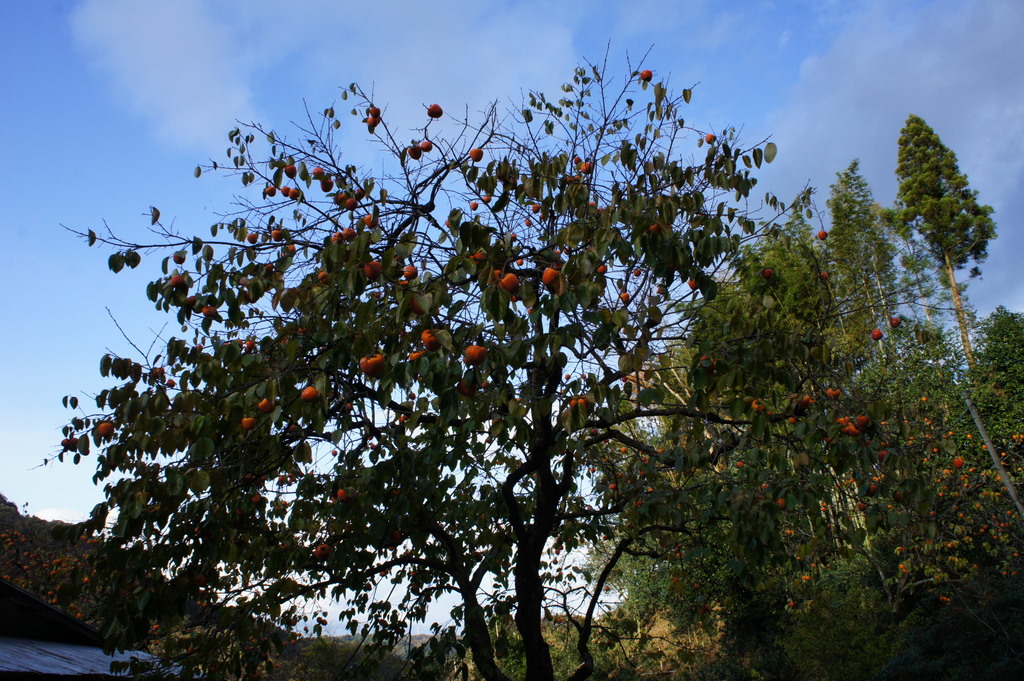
(40, 641)
(30, 656)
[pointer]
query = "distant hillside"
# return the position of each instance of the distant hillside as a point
(416, 641)
(37, 562)
(320, 659)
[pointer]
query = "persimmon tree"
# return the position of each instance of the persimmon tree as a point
(441, 378)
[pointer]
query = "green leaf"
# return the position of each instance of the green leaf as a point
(769, 152)
(202, 449)
(650, 395)
(445, 338)
(630, 362)
(175, 482)
(199, 482)
(500, 204)
(493, 304)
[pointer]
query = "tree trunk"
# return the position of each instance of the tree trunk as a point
(531, 536)
(927, 307)
(479, 638)
(961, 317)
(529, 615)
(883, 295)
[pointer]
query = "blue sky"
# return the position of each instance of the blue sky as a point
(108, 105)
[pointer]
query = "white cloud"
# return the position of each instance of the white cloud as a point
(194, 68)
(707, 25)
(67, 515)
(454, 53)
(955, 64)
(169, 62)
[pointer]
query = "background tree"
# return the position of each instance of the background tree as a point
(860, 257)
(947, 523)
(446, 376)
(999, 377)
(935, 202)
(853, 597)
(693, 586)
(798, 275)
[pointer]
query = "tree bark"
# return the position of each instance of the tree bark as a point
(529, 615)
(531, 536)
(961, 317)
(479, 639)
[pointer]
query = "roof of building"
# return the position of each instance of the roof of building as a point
(50, 659)
(44, 642)
(23, 615)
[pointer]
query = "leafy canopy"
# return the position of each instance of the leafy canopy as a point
(443, 378)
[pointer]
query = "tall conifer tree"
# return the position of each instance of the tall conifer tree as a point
(936, 203)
